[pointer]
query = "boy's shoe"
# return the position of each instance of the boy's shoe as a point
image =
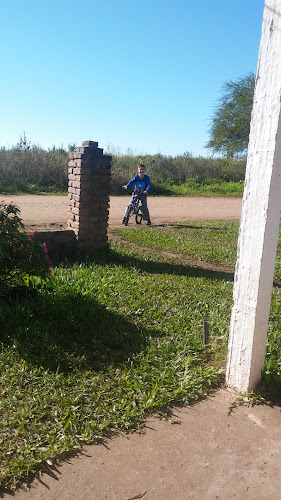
(148, 223)
(123, 221)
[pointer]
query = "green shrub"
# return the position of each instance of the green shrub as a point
(21, 256)
(30, 169)
(167, 171)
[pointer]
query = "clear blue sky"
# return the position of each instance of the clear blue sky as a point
(137, 74)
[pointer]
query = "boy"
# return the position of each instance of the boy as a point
(141, 181)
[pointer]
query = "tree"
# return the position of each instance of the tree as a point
(230, 127)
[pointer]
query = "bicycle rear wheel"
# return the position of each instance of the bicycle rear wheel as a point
(139, 216)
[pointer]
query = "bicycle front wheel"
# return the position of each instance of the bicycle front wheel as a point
(127, 215)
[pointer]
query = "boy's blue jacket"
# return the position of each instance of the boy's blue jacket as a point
(143, 183)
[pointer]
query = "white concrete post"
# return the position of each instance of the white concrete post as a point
(260, 217)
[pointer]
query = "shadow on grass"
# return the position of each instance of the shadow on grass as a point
(68, 332)
(174, 269)
(111, 257)
(270, 388)
(188, 226)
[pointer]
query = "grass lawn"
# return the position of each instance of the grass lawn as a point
(114, 336)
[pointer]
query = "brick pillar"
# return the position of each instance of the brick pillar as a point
(88, 192)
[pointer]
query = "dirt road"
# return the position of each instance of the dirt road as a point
(50, 211)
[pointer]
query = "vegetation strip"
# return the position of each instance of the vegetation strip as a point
(27, 168)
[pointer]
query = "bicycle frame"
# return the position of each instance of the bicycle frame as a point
(134, 208)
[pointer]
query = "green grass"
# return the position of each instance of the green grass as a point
(212, 241)
(114, 336)
(23, 188)
(191, 187)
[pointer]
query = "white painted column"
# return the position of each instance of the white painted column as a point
(260, 217)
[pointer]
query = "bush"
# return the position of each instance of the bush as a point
(22, 257)
(31, 169)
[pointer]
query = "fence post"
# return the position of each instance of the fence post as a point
(260, 217)
(89, 172)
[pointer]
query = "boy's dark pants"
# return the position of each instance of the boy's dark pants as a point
(143, 198)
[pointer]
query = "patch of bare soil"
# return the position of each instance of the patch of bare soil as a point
(201, 452)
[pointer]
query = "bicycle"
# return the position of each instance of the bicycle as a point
(134, 208)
